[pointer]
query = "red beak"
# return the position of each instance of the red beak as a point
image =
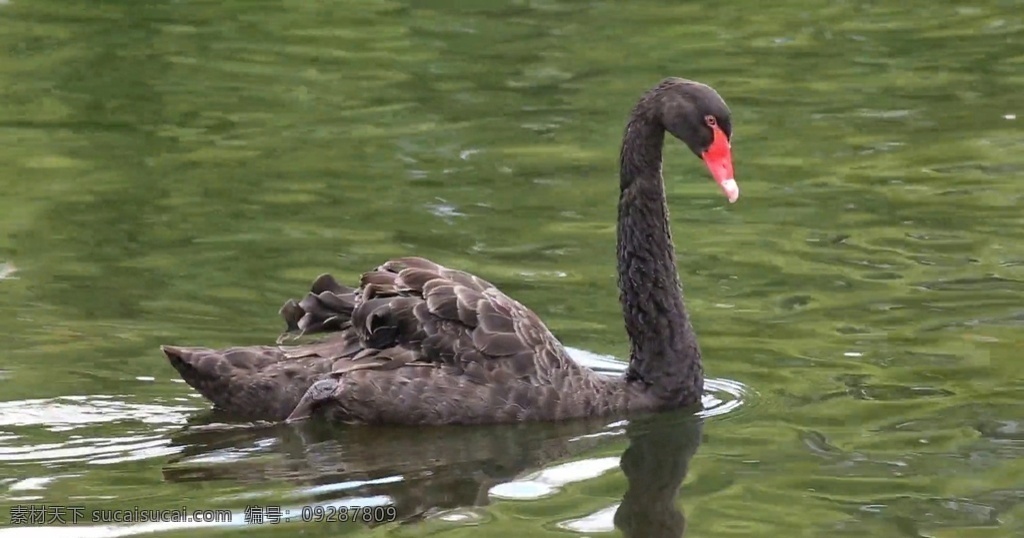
(718, 159)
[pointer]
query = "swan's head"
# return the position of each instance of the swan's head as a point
(697, 115)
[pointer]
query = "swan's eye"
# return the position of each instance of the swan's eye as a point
(710, 120)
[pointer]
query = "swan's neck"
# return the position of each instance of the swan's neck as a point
(664, 354)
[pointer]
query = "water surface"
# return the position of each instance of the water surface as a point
(173, 171)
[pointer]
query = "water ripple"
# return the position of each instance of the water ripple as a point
(81, 414)
(721, 396)
(7, 270)
(68, 412)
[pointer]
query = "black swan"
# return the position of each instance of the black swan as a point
(418, 343)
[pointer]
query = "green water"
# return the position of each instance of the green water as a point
(172, 171)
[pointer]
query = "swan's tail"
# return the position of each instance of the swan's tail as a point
(267, 382)
(253, 383)
(327, 307)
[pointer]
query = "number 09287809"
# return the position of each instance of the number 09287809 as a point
(346, 514)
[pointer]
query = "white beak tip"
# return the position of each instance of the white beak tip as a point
(731, 190)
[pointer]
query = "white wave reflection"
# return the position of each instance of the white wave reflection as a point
(551, 480)
(67, 412)
(70, 413)
(98, 451)
(7, 269)
(600, 521)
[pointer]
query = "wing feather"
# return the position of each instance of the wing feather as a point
(410, 325)
(436, 315)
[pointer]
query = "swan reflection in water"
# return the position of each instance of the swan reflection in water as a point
(442, 474)
(655, 464)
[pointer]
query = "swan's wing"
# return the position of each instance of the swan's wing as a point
(414, 312)
(409, 312)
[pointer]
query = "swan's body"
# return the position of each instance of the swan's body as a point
(418, 343)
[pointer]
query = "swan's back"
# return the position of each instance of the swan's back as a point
(415, 343)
